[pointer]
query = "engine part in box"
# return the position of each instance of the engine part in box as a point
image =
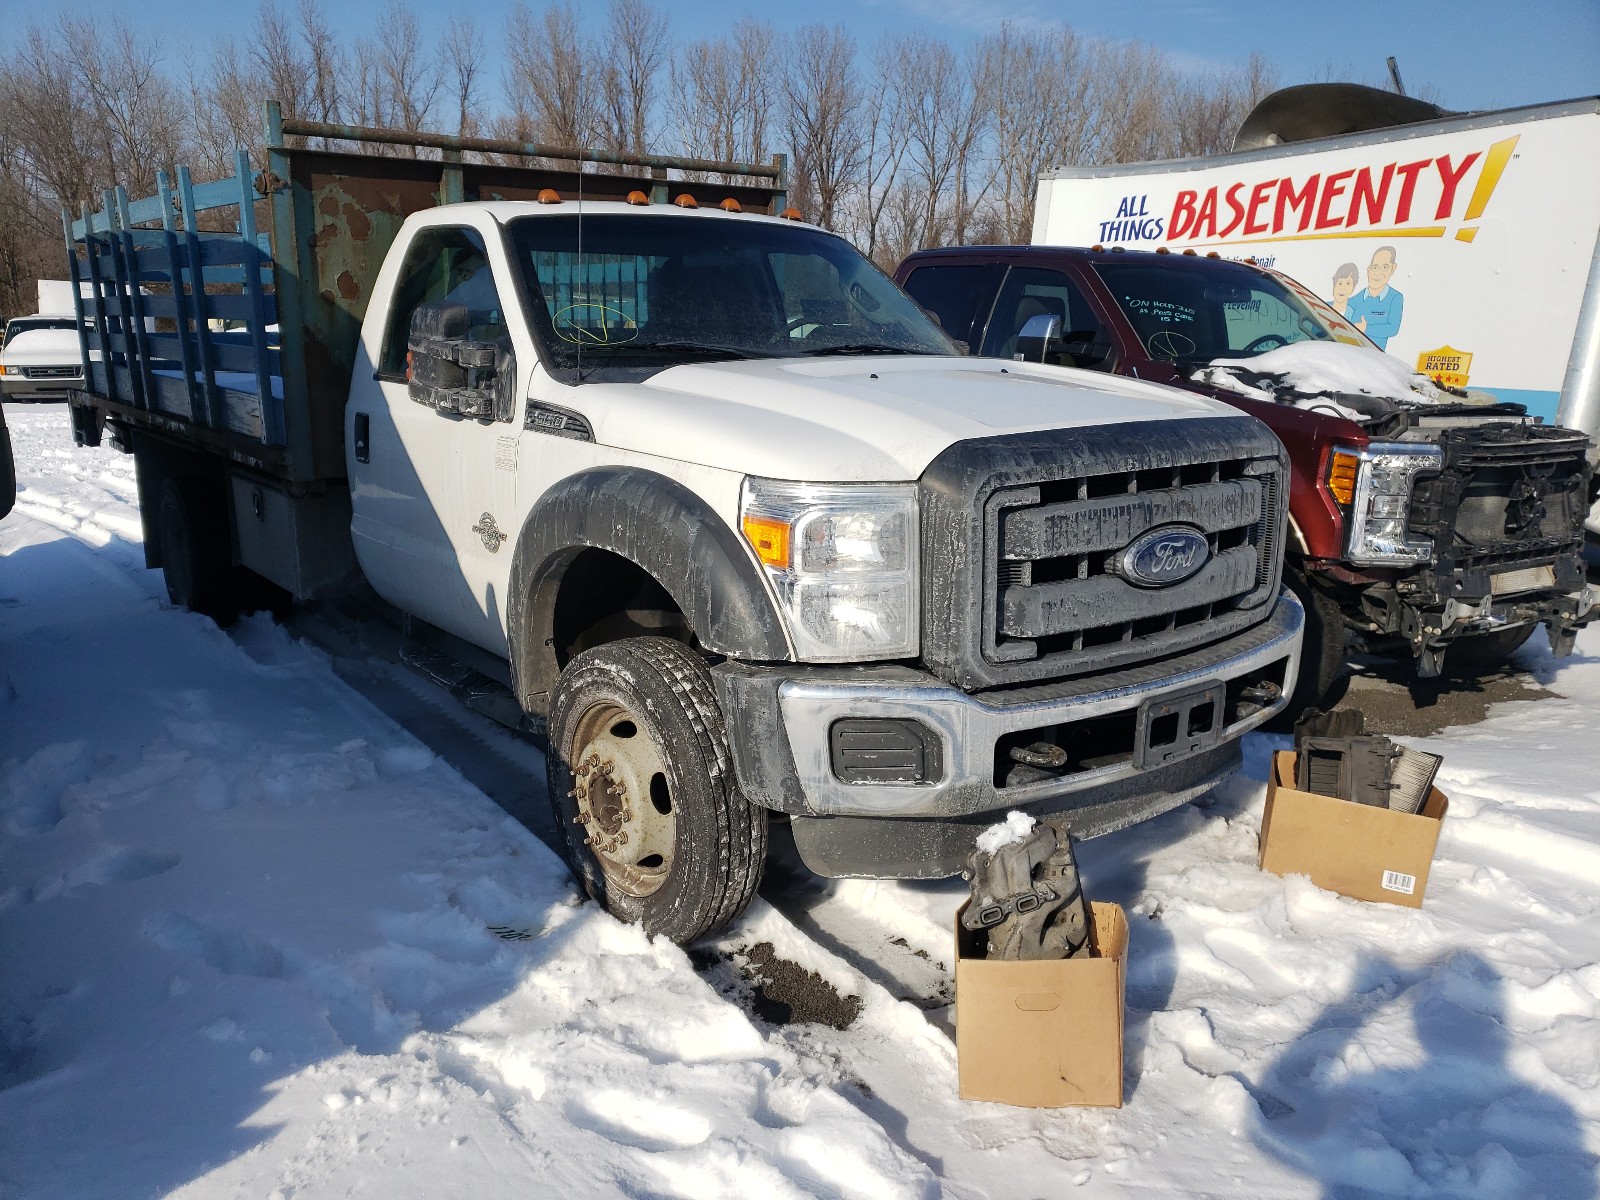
(1358, 850)
(1043, 1034)
(1367, 769)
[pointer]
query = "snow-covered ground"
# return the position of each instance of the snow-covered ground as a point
(256, 940)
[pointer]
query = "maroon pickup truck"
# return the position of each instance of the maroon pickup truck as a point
(1417, 519)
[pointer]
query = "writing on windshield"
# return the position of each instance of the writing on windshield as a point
(1192, 314)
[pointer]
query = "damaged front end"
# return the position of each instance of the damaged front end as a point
(1492, 519)
(1461, 517)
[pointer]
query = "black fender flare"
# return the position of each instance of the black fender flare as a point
(661, 527)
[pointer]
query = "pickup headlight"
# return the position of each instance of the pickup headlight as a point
(842, 559)
(1374, 485)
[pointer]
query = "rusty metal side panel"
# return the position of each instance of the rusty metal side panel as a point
(348, 210)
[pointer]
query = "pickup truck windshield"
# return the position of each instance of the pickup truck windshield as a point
(649, 289)
(29, 324)
(1226, 310)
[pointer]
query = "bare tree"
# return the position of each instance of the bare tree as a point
(225, 110)
(135, 111)
(1133, 83)
(549, 78)
(884, 148)
(409, 73)
(635, 49)
(463, 66)
(1039, 90)
(942, 104)
(823, 117)
(324, 62)
(724, 94)
(281, 64)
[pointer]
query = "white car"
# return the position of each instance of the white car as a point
(41, 358)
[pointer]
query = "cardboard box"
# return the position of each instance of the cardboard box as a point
(1357, 850)
(1042, 1034)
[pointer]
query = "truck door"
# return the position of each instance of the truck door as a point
(1042, 291)
(959, 295)
(433, 488)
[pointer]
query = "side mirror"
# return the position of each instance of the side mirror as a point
(453, 373)
(1039, 335)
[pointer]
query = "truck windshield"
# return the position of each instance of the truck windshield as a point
(29, 324)
(1191, 315)
(651, 290)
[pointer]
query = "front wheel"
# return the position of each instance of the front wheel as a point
(642, 789)
(1322, 652)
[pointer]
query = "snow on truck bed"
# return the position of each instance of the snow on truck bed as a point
(255, 940)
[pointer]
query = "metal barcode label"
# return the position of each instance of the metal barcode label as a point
(1396, 881)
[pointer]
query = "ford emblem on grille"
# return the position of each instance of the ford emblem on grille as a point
(1163, 556)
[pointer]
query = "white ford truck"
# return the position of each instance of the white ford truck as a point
(732, 520)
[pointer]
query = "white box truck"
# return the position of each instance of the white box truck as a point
(1464, 244)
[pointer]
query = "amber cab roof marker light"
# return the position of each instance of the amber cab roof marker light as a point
(685, 200)
(638, 197)
(730, 205)
(791, 214)
(549, 196)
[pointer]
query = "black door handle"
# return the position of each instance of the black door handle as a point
(363, 445)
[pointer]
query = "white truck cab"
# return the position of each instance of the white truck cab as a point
(750, 535)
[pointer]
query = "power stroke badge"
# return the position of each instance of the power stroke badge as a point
(489, 532)
(1164, 556)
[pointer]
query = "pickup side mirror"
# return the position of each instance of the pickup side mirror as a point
(453, 373)
(1038, 338)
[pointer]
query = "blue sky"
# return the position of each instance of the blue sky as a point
(1476, 53)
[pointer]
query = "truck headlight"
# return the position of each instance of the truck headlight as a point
(842, 559)
(1374, 486)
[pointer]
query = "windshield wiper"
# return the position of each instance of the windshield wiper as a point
(863, 348)
(682, 348)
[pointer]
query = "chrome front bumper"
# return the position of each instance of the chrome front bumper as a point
(20, 387)
(808, 703)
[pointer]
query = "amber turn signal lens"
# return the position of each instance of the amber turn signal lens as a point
(1342, 471)
(769, 538)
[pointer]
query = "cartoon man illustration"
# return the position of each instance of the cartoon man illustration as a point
(1377, 311)
(1345, 280)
